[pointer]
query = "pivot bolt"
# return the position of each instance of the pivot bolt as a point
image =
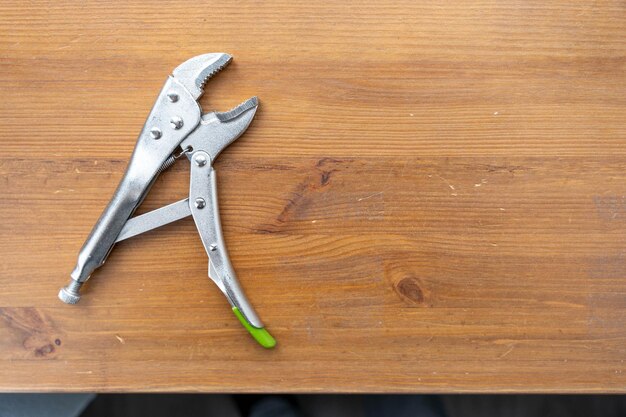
(155, 133)
(200, 160)
(200, 203)
(176, 122)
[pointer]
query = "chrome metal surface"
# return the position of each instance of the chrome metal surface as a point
(155, 218)
(70, 294)
(149, 156)
(176, 121)
(200, 159)
(155, 133)
(203, 185)
(200, 203)
(218, 130)
(194, 72)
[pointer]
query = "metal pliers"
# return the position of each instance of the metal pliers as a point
(177, 127)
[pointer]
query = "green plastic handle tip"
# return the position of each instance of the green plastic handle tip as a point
(261, 335)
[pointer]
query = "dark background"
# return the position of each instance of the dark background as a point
(156, 405)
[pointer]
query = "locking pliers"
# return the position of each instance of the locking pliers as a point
(177, 127)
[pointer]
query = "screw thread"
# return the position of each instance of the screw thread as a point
(74, 286)
(70, 294)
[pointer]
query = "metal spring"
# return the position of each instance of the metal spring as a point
(168, 163)
(172, 158)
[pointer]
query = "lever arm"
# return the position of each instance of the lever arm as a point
(204, 210)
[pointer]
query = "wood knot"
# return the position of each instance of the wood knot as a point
(325, 177)
(44, 350)
(35, 330)
(327, 167)
(410, 290)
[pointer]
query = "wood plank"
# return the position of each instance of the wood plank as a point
(431, 198)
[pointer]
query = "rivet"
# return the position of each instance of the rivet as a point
(173, 97)
(155, 133)
(200, 160)
(213, 247)
(176, 122)
(200, 203)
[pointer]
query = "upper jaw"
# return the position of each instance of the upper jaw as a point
(216, 129)
(193, 73)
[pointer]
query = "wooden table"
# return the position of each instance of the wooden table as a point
(432, 197)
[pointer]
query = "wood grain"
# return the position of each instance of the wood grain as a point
(432, 197)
